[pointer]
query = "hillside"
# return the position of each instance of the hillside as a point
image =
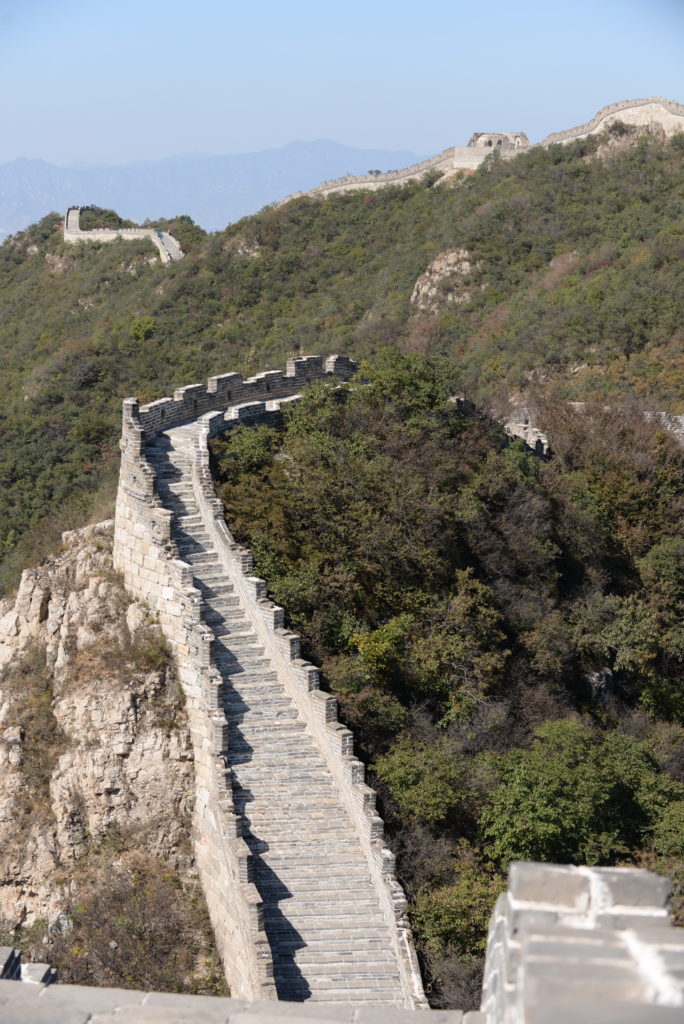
(567, 273)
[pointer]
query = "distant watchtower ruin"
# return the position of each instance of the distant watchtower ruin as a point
(499, 140)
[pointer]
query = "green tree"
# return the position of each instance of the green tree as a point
(427, 782)
(571, 798)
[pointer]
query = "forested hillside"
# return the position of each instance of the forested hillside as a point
(503, 633)
(575, 277)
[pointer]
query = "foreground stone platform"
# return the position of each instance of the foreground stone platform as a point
(78, 1004)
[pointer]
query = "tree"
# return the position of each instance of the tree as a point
(573, 799)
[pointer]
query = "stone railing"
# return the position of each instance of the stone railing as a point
(147, 558)
(169, 249)
(566, 945)
(456, 158)
(190, 402)
(470, 157)
(318, 709)
(583, 944)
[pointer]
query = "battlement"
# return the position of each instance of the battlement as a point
(293, 791)
(566, 944)
(499, 140)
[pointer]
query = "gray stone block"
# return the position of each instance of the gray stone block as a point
(181, 1001)
(35, 1011)
(92, 998)
(576, 1011)
(549, 884)
(302, 1013)
(627, 887)
(162, 1015)
(14, 990)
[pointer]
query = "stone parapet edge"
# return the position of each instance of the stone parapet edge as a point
(612, 108)
(73, 235)
(318, 708)
(448, 159)
(146, 554)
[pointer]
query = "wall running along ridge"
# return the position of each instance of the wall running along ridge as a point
(169, 249)
(668, 114)
(147, 555)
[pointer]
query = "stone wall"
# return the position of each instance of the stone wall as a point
(169, 249)
(583, 944)
(457, 158)
(668, 114)
(566, 945)
(317, 708)
(147, 557)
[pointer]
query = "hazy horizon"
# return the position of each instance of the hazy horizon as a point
(114, 84)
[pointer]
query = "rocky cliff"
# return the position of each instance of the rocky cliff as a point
(96, 781)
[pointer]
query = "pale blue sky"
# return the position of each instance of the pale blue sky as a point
(120, 80)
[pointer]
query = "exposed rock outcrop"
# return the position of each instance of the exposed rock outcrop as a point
(444, 281)
(93, 739)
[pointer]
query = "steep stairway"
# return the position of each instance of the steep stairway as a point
(329, 938)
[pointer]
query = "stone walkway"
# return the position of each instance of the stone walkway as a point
(329, 938)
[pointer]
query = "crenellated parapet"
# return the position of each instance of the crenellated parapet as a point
(583, 944)
(667, 114)
(147, 554)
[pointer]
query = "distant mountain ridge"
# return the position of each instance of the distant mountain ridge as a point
(213, 190)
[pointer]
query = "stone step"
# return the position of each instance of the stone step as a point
(287, 856)
(257, 699)
(309, 904)
(252, 682)
(351, 972)
(356, 944)
(297, 821)
(203, 558)
(246, 666)
(326, 926)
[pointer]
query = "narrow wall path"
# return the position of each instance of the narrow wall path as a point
(322, 917)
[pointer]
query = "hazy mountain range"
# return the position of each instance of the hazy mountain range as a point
(214, 190)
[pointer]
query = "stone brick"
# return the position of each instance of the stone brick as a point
(625, 887)
(549, 884)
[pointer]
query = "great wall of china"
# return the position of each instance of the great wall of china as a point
(299, 882)
(667, 114)
(169, 249)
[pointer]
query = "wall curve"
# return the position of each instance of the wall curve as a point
(169, 249)
(667, 113)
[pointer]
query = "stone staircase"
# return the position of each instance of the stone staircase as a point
(329, 938)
